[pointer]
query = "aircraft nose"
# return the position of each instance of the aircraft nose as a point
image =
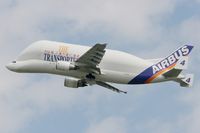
(10, 66)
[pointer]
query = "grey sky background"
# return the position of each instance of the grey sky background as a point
(39, 103)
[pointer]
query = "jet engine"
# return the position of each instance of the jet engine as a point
(65, 66)
(74, 83)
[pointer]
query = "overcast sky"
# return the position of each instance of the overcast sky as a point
(31, 103)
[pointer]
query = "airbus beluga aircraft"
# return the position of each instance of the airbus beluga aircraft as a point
(83, 65)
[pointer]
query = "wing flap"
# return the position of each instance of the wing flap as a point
(103, 84)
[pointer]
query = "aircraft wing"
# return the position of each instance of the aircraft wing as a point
(103, 84)
(89, 61)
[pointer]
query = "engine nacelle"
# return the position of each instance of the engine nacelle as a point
(74, 83)
(64, 66)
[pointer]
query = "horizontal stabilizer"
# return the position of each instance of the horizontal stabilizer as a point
(172, 73)
(187, 80)
(180, 65)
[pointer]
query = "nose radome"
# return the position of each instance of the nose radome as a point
(10, 66)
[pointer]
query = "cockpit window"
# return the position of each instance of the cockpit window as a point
(14, 61)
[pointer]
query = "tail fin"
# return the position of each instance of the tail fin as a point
(177, 60)
(170, 67)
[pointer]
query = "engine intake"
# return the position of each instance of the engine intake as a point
(74, 83)
(65, 66)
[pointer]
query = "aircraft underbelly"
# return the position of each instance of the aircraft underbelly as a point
(114, 77)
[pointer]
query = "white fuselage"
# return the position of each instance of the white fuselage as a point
(116, 66)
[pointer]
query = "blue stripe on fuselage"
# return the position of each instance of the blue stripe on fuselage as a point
(142, 77)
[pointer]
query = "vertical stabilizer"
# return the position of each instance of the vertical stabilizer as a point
(169, 67)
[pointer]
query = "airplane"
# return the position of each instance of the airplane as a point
(83, 65)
